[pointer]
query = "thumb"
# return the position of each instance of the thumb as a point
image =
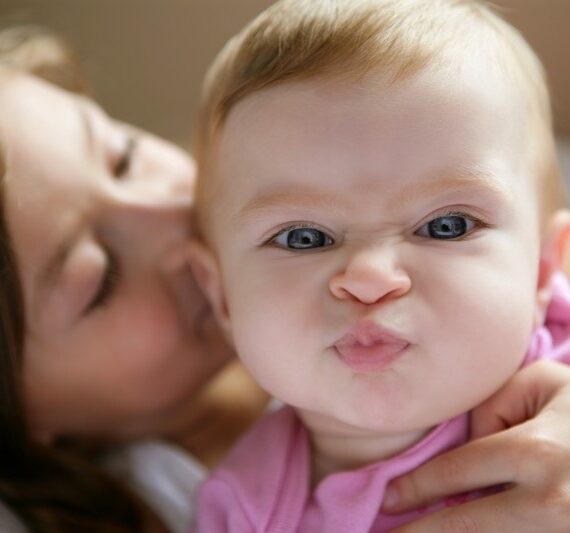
(520, 399)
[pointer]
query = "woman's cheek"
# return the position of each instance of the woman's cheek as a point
(150, 334)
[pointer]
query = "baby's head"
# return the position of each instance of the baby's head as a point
(380, 204)
(345, 42)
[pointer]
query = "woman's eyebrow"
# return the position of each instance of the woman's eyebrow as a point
(51, 270)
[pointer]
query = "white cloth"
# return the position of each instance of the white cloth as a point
(164, 476)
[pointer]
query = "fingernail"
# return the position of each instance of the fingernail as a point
(391, 498)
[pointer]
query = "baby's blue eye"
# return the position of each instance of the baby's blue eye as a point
(302, 239)
(447, 227)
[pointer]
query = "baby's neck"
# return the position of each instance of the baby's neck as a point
(335, 448)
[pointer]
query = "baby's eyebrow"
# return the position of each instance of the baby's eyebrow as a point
(303, 197)
(464, 181)
(460, 178)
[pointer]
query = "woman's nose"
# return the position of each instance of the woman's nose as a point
(157, 199)
(166, 190)
(370, 276)
(150, 218)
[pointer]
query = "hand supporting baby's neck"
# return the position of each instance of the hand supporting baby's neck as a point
(336, 447)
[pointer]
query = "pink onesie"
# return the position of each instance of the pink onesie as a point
(263, 485)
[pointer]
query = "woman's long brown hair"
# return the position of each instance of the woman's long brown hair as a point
(49, 489)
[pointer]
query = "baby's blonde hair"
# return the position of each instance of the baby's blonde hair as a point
(305, 39)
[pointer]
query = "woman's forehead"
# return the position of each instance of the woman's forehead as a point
(36, 120)
(31, 105)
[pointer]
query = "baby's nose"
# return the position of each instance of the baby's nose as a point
(369, 277)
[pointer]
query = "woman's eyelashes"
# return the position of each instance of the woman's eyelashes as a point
(123, 163)
(301, 237)
(107, 285)
(450, 226)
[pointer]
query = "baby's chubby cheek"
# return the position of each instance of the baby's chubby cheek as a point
(272, 319)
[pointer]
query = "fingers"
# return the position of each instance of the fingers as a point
(521, 398)
(482, 463)
(532, 457)
(493, 514)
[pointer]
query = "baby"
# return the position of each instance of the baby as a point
(382, 223)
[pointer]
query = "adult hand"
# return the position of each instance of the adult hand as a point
(530, 454)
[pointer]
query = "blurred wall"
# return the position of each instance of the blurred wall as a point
(146, 57)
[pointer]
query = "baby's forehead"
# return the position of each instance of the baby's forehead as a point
(469, 89)
(306, 125)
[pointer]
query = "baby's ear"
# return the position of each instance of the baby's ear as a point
(553, 257)
(206, 270)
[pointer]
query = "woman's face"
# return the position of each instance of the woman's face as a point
(117, 338)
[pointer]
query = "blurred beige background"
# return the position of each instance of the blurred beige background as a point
(146, 57)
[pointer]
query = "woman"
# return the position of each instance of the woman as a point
(101, 317)
(105, 337)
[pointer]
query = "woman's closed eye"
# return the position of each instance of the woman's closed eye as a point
(123, 164)
(450, 226)
(107, 285)
(301, 237)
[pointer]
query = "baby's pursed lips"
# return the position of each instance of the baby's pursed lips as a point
(367, 333)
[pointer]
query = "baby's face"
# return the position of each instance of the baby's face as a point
(378, 246)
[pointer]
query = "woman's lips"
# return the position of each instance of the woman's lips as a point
(369, 348)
